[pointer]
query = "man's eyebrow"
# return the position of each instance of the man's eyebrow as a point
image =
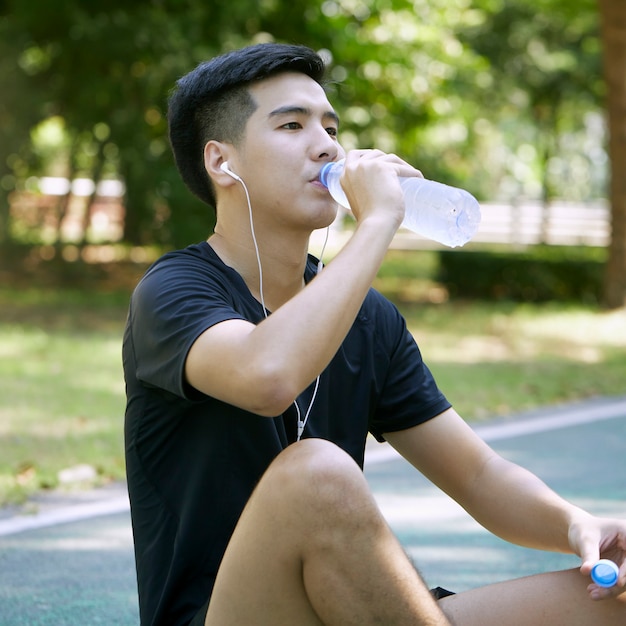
(298, 110)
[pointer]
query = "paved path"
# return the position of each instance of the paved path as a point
(72, 564)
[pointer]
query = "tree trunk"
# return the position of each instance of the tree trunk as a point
(613, 20)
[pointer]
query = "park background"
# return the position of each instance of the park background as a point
(522, 102)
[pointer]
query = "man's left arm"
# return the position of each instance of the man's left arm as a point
(505, 498)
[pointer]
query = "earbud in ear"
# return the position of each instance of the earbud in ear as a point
(224, 167)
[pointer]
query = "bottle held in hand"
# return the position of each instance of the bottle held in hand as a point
(436, 211)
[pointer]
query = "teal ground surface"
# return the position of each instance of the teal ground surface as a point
(82, 572)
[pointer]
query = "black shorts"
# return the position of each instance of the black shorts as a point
(198, 620)
(440, 592)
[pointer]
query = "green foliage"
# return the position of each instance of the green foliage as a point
(485, 94)
(539, 275)
(545, 63)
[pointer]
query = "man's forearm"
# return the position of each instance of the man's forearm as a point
(517, 506)
(315, 322)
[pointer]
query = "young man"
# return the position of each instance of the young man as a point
(253, 380)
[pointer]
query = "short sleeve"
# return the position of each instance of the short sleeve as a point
(175, 302)
(409, 395)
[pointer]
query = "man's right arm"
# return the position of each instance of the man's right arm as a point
(263, 368)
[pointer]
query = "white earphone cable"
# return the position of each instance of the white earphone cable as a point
(301, 422)
(256, 246)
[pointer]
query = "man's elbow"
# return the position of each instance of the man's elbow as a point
(276, 392)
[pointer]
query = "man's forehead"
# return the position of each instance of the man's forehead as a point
(289, 92)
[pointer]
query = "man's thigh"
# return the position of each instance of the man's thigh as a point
(556, 598)
(260, 580)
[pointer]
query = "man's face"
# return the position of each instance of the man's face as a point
(288, 139)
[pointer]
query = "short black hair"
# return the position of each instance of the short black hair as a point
(213, 102)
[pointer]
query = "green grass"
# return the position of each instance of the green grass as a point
(498, 359)
(62, 391)
(61, 387)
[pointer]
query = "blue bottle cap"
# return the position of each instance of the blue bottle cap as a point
(324, 174)
(326, 169)
(604, 573)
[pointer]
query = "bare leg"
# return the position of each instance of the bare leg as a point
(312, 548)
(557, 599)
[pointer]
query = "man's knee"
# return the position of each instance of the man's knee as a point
(317, 476)
(315, 461)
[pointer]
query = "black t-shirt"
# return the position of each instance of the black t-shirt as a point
(192, 460)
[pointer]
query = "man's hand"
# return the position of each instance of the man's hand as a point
(370, 181)
(593, 538)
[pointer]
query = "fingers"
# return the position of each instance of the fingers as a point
(602, 593)
(401, 167)
(606, 539)
(590, 556)
(598, 593)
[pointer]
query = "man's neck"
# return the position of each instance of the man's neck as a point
(282, 264)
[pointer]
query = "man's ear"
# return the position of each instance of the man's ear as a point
(215, 154)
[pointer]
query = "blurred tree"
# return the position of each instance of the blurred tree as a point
(614, 39)
(459, 87)
(105, 66)
(20, 110)
(109, 65)
(544, 58)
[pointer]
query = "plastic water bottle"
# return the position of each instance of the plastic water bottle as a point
(604, 573)
(436, 211)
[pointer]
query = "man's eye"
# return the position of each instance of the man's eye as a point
(292, 125)
(332, 131)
